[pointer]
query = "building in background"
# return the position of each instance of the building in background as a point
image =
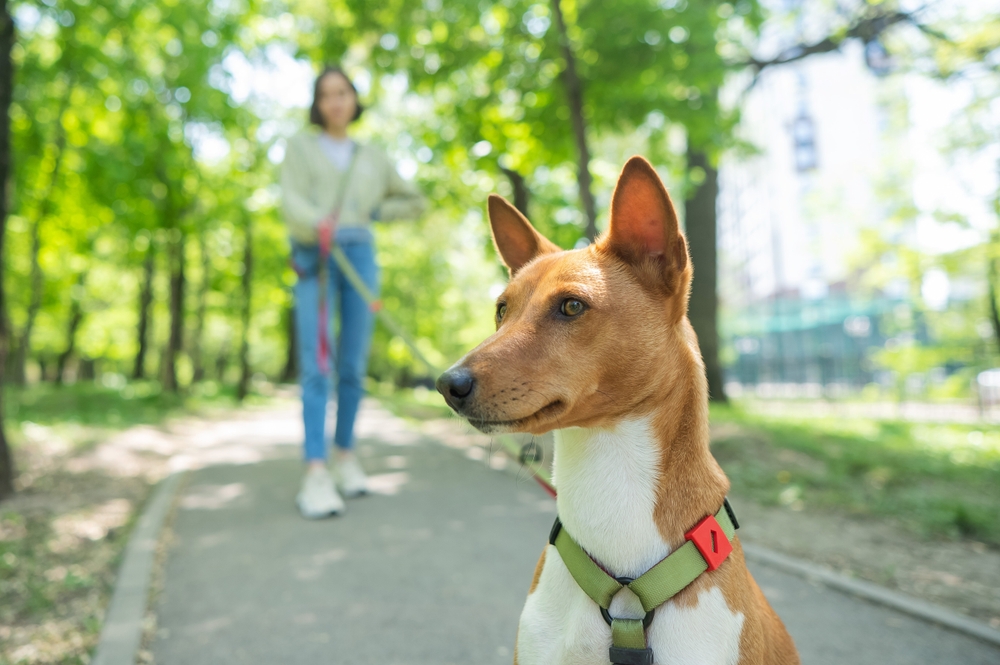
(835, 145)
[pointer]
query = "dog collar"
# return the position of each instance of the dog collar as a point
(708, 544)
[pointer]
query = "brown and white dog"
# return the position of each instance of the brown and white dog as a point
(595, 344)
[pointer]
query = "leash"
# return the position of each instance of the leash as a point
(375, 305)
(325, 244)
(530, 455)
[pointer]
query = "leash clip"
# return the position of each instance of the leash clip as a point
(531, 453)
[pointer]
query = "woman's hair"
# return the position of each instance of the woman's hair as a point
(315, 117)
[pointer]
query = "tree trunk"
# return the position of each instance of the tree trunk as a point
(222, 361)
(7, 37)
(87, 369)
(574, 98)
(522, 194)
(145, 312)
(23, 348)
(75, 318)
(700, 222)
(289, 372)
(175, 343)
(197, 353)
(244, 385)
(991, 278)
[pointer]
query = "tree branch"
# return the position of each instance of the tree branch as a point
(867, 28)
(520, 187)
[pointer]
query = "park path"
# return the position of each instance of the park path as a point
(431, 568)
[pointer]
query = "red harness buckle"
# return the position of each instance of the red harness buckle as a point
(711, 541)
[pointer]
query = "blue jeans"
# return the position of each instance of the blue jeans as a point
(349, 352)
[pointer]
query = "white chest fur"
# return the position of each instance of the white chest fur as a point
(607, 484)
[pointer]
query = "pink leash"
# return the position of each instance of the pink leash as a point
(545, 486)
(323, 348)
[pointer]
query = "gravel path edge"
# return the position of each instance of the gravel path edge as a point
(121, 634)
(874, 593)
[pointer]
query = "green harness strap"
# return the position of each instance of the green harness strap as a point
(653, 588)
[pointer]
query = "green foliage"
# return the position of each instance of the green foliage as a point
(960, 334)
(114, 99)
(109, 104)
(492, 73)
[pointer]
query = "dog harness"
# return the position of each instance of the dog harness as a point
(708, 545)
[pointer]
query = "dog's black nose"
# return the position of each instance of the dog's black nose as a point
(456, 385)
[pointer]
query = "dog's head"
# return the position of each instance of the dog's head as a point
(587, 336)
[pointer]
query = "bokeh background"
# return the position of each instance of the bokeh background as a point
(836, 163)
(843, 155)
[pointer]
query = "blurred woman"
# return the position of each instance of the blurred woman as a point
(333, 188)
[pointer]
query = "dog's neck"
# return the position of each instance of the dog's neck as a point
(629, 492)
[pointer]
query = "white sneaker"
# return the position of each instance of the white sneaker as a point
(351, 477)
(318, 497)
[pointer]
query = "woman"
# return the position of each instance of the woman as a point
(335, 187)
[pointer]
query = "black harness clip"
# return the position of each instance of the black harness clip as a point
(554, 533)
(731, 513)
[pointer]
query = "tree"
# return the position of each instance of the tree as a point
(7, 37)
(243, 387)
(44, 209)
(145, 301)
(548, 98)
(573, 88)
(701, 228)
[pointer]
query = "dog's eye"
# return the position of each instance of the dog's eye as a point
(571, 307)
(501, 310)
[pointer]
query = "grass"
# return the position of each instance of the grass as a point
(138, 403)
(941, 480)
(63, 533)
(57, 568)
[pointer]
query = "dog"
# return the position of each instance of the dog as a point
(595, 345)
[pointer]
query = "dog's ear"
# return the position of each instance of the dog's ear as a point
(644, 229)
(515, 238)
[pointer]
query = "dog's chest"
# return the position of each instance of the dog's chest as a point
(607, 482)
(560, 625)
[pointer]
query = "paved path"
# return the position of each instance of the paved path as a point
(432, 569)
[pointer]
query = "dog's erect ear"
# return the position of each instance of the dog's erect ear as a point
(516, 239)
(644, 222)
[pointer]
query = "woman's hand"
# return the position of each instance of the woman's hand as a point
(327, 231)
